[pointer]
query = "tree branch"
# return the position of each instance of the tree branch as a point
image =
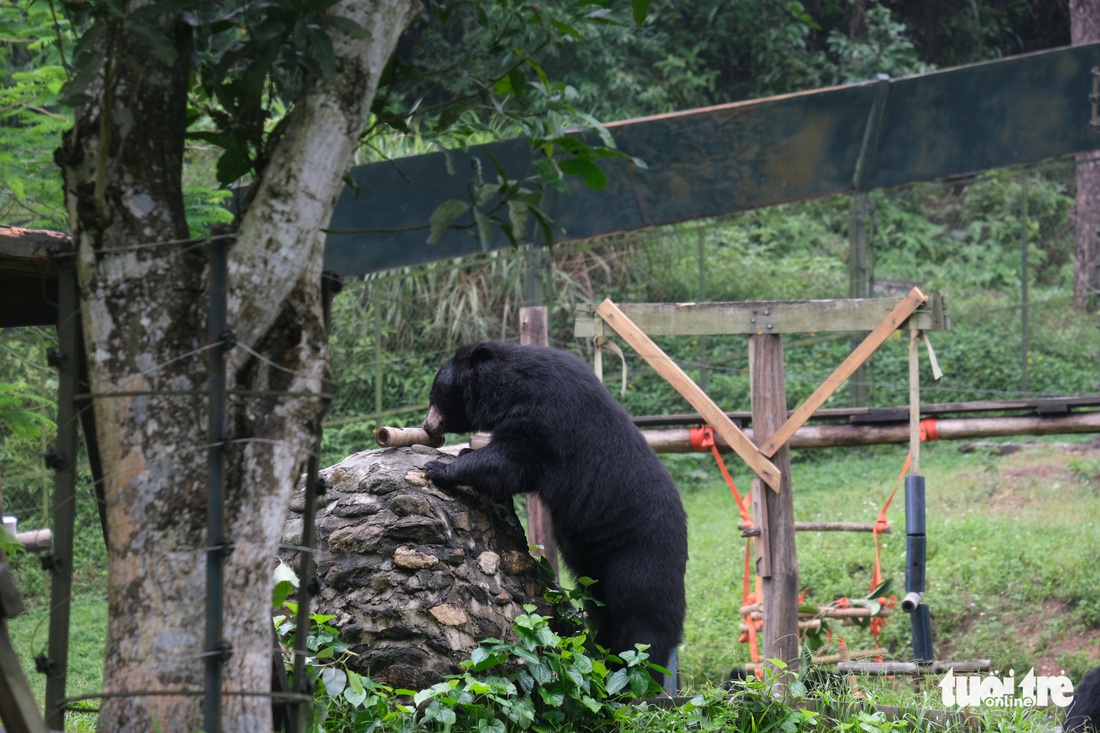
(281, 231)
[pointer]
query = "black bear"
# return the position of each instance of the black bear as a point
(1083, 713)
(557, 432)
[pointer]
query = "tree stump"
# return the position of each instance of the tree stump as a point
(415, 575)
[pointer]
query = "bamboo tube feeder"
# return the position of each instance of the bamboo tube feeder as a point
(37, 540)
(397, 437)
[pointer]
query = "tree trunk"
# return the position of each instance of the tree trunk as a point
(1085, 28)
(144, 310)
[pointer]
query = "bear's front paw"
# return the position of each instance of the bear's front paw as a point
(437, 473)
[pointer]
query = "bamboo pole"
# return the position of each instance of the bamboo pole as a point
(534, 329)
(813, 624)
(678, 440)
(819, 527)
(753, 611)
(883, 668)
(831, 658)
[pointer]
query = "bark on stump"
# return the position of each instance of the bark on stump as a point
(415, 575)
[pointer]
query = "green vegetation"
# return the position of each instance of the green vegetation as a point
(88, 633)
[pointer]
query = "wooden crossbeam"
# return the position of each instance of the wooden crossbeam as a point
(891, 323)
(682, 383)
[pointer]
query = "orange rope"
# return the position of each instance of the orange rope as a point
(702, 438)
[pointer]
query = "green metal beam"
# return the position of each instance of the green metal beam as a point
(720, 160)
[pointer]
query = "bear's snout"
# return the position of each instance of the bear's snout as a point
(433, 423)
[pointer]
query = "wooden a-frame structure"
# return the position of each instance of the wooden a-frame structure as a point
(769, 455)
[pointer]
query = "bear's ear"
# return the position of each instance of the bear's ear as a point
(481, 353)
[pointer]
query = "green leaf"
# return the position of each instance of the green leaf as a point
(881, 589)
(347, 26)
(544, 223)
(232, 166)
(484, 229)
(320, 48)
(517, 217)
(541, 672)
(444, 216)
(15, 185)
(640, 9)
(617, 681)
(639, 681)
(589, 172)
(355, 694)
(335, 680)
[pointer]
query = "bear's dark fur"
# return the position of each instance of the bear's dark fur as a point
(1083, 713)
(556, 431)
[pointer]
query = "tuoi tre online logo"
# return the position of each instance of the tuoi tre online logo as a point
(991, 691)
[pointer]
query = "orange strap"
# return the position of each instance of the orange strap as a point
(928, 429)
(702, 438)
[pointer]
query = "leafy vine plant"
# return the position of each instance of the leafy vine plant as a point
(547, 676)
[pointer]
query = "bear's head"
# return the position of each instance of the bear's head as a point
(458, 391)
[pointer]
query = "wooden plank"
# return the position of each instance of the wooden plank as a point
(748, 317)
(18, 707)
(914, 402)
(780, 586)
(683, 384)
(533, 331)
(861, 353)
(711, 162)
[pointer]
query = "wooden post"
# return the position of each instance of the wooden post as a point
(776, 509)
(533, 331)
(63, 459)
(914, 399)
